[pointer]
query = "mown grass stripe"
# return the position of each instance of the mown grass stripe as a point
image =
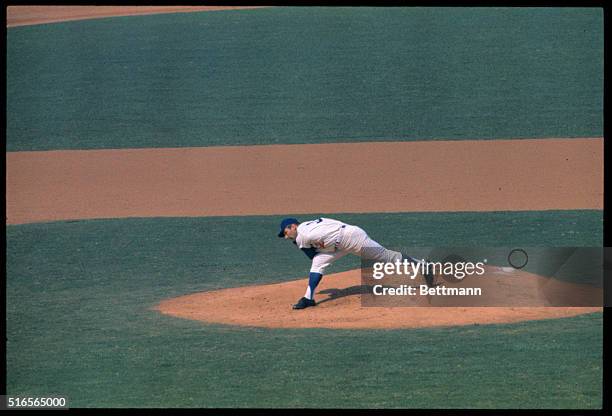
(306, 75)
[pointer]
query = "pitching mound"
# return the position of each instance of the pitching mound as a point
(339, 306)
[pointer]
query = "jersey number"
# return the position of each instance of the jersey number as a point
(315, 221)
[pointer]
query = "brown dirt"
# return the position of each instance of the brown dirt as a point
(497, 175)
(33, 15)
(340, 306)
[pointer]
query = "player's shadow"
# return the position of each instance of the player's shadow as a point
(348, 291)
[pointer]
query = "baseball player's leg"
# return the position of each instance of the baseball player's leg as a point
(374, 251)
(371, 250)
(320, 262)
(313, 282)
(357, 241)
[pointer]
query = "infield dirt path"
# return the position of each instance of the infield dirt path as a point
(496, 175)
(34, 15)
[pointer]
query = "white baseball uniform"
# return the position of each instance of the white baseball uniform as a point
(334, 239)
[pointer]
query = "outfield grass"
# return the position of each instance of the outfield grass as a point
(79, 321)
(296, 75)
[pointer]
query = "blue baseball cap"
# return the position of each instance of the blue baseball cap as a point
(284, 223)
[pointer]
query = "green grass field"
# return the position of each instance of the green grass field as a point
(79, 321)
(294, 75)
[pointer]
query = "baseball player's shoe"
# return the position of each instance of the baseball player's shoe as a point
(304, 303)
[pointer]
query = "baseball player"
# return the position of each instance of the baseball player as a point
(325, 240)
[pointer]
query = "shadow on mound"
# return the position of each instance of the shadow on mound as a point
(348, 291)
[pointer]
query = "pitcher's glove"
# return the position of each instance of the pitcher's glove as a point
(310, 252)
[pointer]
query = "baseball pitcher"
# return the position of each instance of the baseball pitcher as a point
(325, 240)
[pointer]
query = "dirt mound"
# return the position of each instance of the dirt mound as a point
(339, 306)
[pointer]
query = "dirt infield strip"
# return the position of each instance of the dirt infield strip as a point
(34, 15)
(496, 175)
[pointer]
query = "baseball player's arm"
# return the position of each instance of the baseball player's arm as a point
(301, 241)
